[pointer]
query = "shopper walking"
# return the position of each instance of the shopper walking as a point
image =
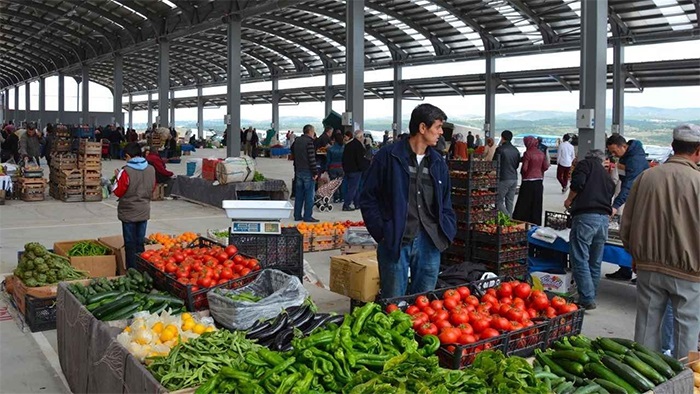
(470, 140)
(248, 137)
(565, 159)
(407, 208)
(633, 160)
(589, 203)
(509, 157)
(663, 242)
(477, 141)
(305, 174)
(335, 164)
(9, 150)
(134, 188)
(354, 164)
(535, 163)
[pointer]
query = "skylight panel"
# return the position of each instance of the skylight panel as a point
(168, 3)
(129, 8)
(421, 39)
(675, 16)
(452, 20)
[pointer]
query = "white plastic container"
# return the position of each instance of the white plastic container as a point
(257, 210)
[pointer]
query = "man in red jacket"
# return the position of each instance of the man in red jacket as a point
(162, 173)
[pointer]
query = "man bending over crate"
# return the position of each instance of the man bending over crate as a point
(134, 188)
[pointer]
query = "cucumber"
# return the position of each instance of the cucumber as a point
(571, 355)
(589, 389)
(628, 343)
(107, 309)
(600, 371)
(629, 374)
(610, 345)
(564, 387)
(101, 296)
(571, 366)
(166, 298)
(157, 308)
(555, 368)
(672, 362)
(581, 341)
(610, 386)
(644, 369)
(123, 313)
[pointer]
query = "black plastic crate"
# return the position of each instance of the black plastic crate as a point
(404, 302)
(473, 165)
(475, 183)
(500, 255)
(565, 325)
(461, 356)
(523, 342)
(499, 235)
(512, 269)
(40, 313)
(470, 200)
(467, 217)
(284, 252)
(557, 220)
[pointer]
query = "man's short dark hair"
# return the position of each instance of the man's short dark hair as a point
(427, 114)
(328, 128)
(133, 149)
(338, 138)
(308, 128)
(507, 135)
(615, 139)
(566, 137)
(684, 147)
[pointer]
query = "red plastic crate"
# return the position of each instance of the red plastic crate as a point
(461, 356)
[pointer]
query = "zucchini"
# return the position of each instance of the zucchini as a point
(571, 355)
(644, 369)
(589, 389)
(600, 371)
(555, 368)
(581, 341)
(107, 309)
(610, 386)
(629, 374)
(672, 362)
(123, 313)
(166, 298)
(571, 366)
(628, 343)
(157, 308)
(102, 296)
(610, 345)
(564, 387)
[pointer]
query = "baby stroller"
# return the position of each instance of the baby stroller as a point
(106, 149)
(324, 195)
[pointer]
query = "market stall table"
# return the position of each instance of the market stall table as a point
(203, 191)
(612, 253)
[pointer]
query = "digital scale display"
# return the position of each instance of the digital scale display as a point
(255, 227)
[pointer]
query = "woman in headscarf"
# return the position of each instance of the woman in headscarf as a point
(489, 149)
(458, 148)
(535, 163)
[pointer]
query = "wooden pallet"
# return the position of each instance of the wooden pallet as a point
(90, 148)
(92, 177)
(32, 181)
(92, 193)
(64, 161)
(33, 192)
(90, 164)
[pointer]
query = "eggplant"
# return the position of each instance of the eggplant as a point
(274, 328)
(296, 311)
(287, 347)
(257, 327)
(336, 319)
(318, 321)
(283, 339)
(300, 321)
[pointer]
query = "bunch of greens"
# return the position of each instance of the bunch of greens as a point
(503, 220)
(37, 267)
(258, 177)
(88, 248)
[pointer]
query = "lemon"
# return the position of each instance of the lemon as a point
(127, 329)
(186, 316)
(172, 328)
(157, 328)
(210, 329)
(166, 336)
(188, 325)
(199, 329)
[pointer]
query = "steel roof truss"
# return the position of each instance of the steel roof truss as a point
(562, 82)
(548, 34)
(636, 82)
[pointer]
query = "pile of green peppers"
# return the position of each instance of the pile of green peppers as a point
(328, 359)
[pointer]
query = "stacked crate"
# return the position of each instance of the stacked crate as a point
(90, 163)
(474, 195)
(502, 247)
(62, 141)
(63, 184)
(32, 185)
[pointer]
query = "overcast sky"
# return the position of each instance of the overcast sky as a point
(454, 106)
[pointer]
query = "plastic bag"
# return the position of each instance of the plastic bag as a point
(358, 236)
(278, 291)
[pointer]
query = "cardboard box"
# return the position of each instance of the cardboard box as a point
(355, 276)
(96, 266)
(353, 249)
(116, 243)
(556, 283)
(20, 290)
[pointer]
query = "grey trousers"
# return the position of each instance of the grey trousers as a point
(506, 196)
(653, 291)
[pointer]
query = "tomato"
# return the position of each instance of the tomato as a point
(228, 263)
(515, 325)
(252, 263)
(558, 303)
(489, 299)
(222, 281)
(171, 260)
(256, 267)
(505, 290)
(147, 254)
(519, 303)
(170, 267)
(227, 273)
(231, 250)
(442, 324)
(441, 315)
(479, 325)
(466, 328)
(179, 257)
(449, 335)
(204, 282)
(245, 271)
(464, 292)
(422, 302)
(500, 323)
(506, 300)
(459, 317)
(489, 333)
(568, 308)
(451, 304)
(427, 329)
(539, 303)
(452, 294)
(429, 311)
(515, 314)
(472, 300)
(194, 288)
(466, 339)
(550, 312)
(492, 292)
(436, 304)
(391, 307)
(238, 259)
(419, 319)
(197, 266)
(181, 273)
(503, 310)
(523, 290)
(183, 280)
(532, 313)
(412, 310)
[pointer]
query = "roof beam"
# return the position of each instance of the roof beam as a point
(489, 41)
(505, 85)
(298, 64)
(251, 71)
(635, 81)
(375, 92)
(415, 92)
(562, 82)
(18, 27)
(51, 47)
(454, 88)
(548, 34)
(617, 25)
(325, 59)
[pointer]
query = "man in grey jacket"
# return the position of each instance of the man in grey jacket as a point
(30, 144)
(508, 177)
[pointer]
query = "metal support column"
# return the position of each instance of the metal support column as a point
(490, 97)
(150, 110)
(233, 89)
(163, 81)
(328, 89)
(131, 111)
(619, 77)
(61, 97)
(275, 104)
(118, 90)
(398, 99)
(86, 95)
(27, 102)
(42, 104)
(594, 21)
(172, 108)
(15, 113)
(355, 64)
(200, 113)
(3, 106)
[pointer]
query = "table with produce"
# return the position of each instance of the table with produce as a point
(203, 318)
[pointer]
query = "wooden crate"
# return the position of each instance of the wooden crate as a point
(32, 181)
(69, 177)
(92, 193)
(33, 192)
(92, 177)
(61, 145)
(90, 148)
(64, 161)
(90, 162)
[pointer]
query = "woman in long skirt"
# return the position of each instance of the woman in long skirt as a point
(535, 163)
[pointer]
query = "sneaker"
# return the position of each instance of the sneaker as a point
(312, 220)
(619, 275)
(589, 307)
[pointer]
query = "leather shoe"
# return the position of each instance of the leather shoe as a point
(619, 275)
(589, 307)
(312, 220)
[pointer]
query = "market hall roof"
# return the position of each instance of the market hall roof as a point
(287, 38)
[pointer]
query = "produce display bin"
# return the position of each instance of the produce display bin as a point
(284, 252)
(474, 183)
(473, 165)
(524, 342)
(499, 237)
(514, 269)
(565, 325)
(468, 200)
(461, 356)
(557, 220)
(501, 256)
(40, 313)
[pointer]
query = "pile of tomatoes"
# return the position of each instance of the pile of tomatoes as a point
(202, 267)
(460, 318)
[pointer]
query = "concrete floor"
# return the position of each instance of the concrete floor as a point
(28, 361)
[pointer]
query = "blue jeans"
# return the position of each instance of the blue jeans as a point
(667, 330)
(353, 191)
(304, 194)
(134, 234)
(420, 256)
(589, 232)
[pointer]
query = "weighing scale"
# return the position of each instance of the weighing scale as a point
(257, 217)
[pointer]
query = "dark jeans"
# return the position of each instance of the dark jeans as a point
(589, 231)
(114, 151)
(420, 256)
(352, 197)
(304, 186)
(134, 234)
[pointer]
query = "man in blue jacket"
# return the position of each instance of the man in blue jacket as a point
(407, 208)
(633, 160)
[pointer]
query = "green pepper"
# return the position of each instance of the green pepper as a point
(287, 383)
(270, 357)
(347, 322)
(362, 315)
(302, 386)
(278, 368)
(209, 385)
(320, 338)
(371, 360)
(254, 359)
(431, 343)
(231, 373)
